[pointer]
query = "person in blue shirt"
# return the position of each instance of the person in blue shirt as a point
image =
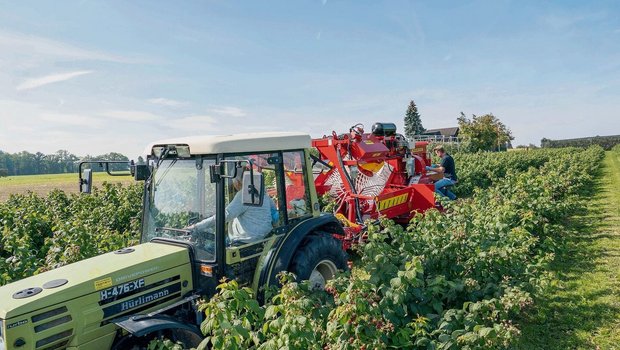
(448, 168)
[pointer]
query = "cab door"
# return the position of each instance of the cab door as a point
(251, 230)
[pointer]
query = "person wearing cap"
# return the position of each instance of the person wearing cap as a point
(248, 223)
(448, 168)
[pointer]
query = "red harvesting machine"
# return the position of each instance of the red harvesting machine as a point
(372, 175)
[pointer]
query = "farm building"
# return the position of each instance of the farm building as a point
(441, 134)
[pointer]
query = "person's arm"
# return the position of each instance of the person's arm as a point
(441, 167)
(235, 207)
(203, 225)
(233, 210)
(436, 167)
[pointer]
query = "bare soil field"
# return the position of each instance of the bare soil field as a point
(43, 184)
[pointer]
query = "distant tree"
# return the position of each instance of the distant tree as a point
(64, 161)
(4, 172)
(25, 163)
(484, 133)
(530, 146)
(115, 157)
(39, 163)
(413, 123)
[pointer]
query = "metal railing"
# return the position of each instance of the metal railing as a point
(437, 138)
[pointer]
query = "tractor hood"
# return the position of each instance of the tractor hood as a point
(106, 275)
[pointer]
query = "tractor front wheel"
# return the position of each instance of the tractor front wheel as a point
(182, 337)
(317, 259)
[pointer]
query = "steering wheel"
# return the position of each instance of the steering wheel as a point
(200, 237)
(171, 232)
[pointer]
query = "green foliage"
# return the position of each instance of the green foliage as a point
(26, 163)
(483, 133)
(455, 279)
(481, 170)
(607, 142)
(164, 344)
(450, 280)
(580, 309)
(42, 233)
(413, 123)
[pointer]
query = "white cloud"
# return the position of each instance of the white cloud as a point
(161, 101)
(40, 47)
(194, 123)
(17, 43)
(130, 115)
(227, 111)
(71, 119)
(50, 79)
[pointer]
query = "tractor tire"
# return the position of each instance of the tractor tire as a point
(177, 336)
(318, 258)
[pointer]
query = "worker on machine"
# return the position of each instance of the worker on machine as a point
(247, 223)
(446, 165)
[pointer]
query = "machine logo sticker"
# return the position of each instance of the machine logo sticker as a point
(104, 283)
(137, 274)
(121, 289)
(16, 324)
(143, 300)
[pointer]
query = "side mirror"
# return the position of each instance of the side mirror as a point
(86, 181)
(140, 172)
(253, 189)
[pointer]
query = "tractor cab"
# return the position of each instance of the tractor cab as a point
(229, 198)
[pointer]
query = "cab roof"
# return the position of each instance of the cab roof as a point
(237, 143)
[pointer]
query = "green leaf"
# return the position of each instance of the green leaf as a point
(444, 338)
(270, 312)
(438, 306)
(422, 342)
(486, 331)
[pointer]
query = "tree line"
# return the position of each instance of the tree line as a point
(26, 163)
(607, 142)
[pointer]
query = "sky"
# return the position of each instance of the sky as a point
(94, 77)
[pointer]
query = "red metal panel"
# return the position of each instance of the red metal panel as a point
(368, 150)
(394, 203)
(423, 197)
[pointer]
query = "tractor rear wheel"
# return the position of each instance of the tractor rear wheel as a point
(317, 259)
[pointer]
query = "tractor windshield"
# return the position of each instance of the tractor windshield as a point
(180, 194)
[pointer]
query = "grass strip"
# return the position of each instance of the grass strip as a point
(582, 309)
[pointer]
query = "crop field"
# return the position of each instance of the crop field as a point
(527, 258)
(43, 184)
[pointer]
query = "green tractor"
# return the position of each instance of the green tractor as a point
(204, 198)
